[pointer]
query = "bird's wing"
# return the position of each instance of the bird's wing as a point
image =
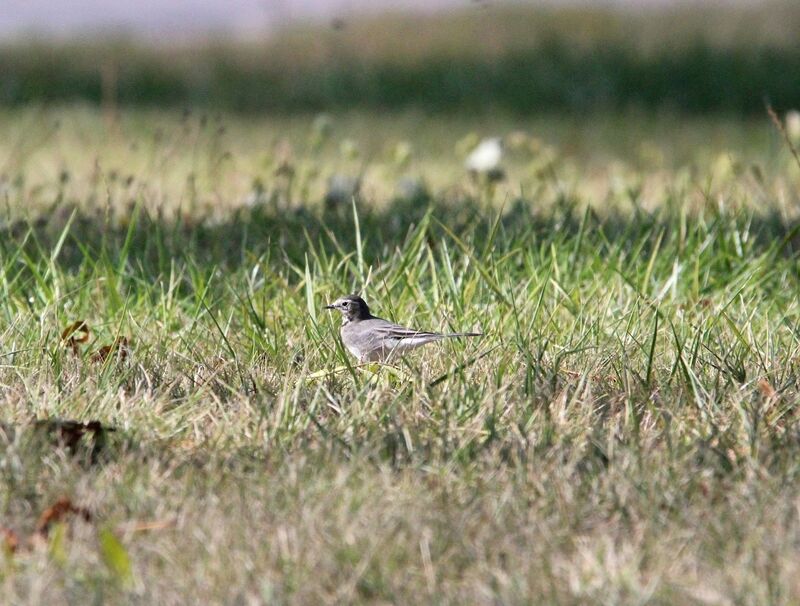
(388, 330)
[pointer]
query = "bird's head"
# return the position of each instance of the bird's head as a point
(352, 307)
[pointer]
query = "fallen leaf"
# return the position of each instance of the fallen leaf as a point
(68, 433)
(54, 517)
(73, 340)
(115, 556)
(118, 348)
(58, 512)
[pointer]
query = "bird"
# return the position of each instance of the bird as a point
(485, 159)
(372, 339)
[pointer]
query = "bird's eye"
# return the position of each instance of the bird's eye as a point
(345, 304)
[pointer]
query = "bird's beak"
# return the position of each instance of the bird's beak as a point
(330, 307)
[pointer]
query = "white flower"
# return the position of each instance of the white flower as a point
(486, 157)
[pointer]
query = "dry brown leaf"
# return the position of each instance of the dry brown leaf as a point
(69, 433)
(118, 348)
(75, 334)
(58, 512)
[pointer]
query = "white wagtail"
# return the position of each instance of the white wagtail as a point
(372, 339)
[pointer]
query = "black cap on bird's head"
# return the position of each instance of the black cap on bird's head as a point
(352, 307)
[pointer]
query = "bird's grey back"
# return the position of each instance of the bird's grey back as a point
(376, 338)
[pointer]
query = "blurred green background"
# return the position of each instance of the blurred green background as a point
(520, 58)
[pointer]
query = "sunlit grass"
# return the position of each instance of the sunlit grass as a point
(625, 431)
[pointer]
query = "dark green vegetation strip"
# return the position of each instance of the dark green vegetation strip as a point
(699, 79)
(520, 60)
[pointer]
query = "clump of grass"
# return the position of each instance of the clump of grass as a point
(631, 435)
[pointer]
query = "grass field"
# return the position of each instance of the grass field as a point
(626, 431)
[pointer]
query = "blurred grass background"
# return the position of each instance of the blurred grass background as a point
(523, 59)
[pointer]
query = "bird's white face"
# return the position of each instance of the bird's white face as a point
(486, 156)
(342, 305)
(350, 307)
